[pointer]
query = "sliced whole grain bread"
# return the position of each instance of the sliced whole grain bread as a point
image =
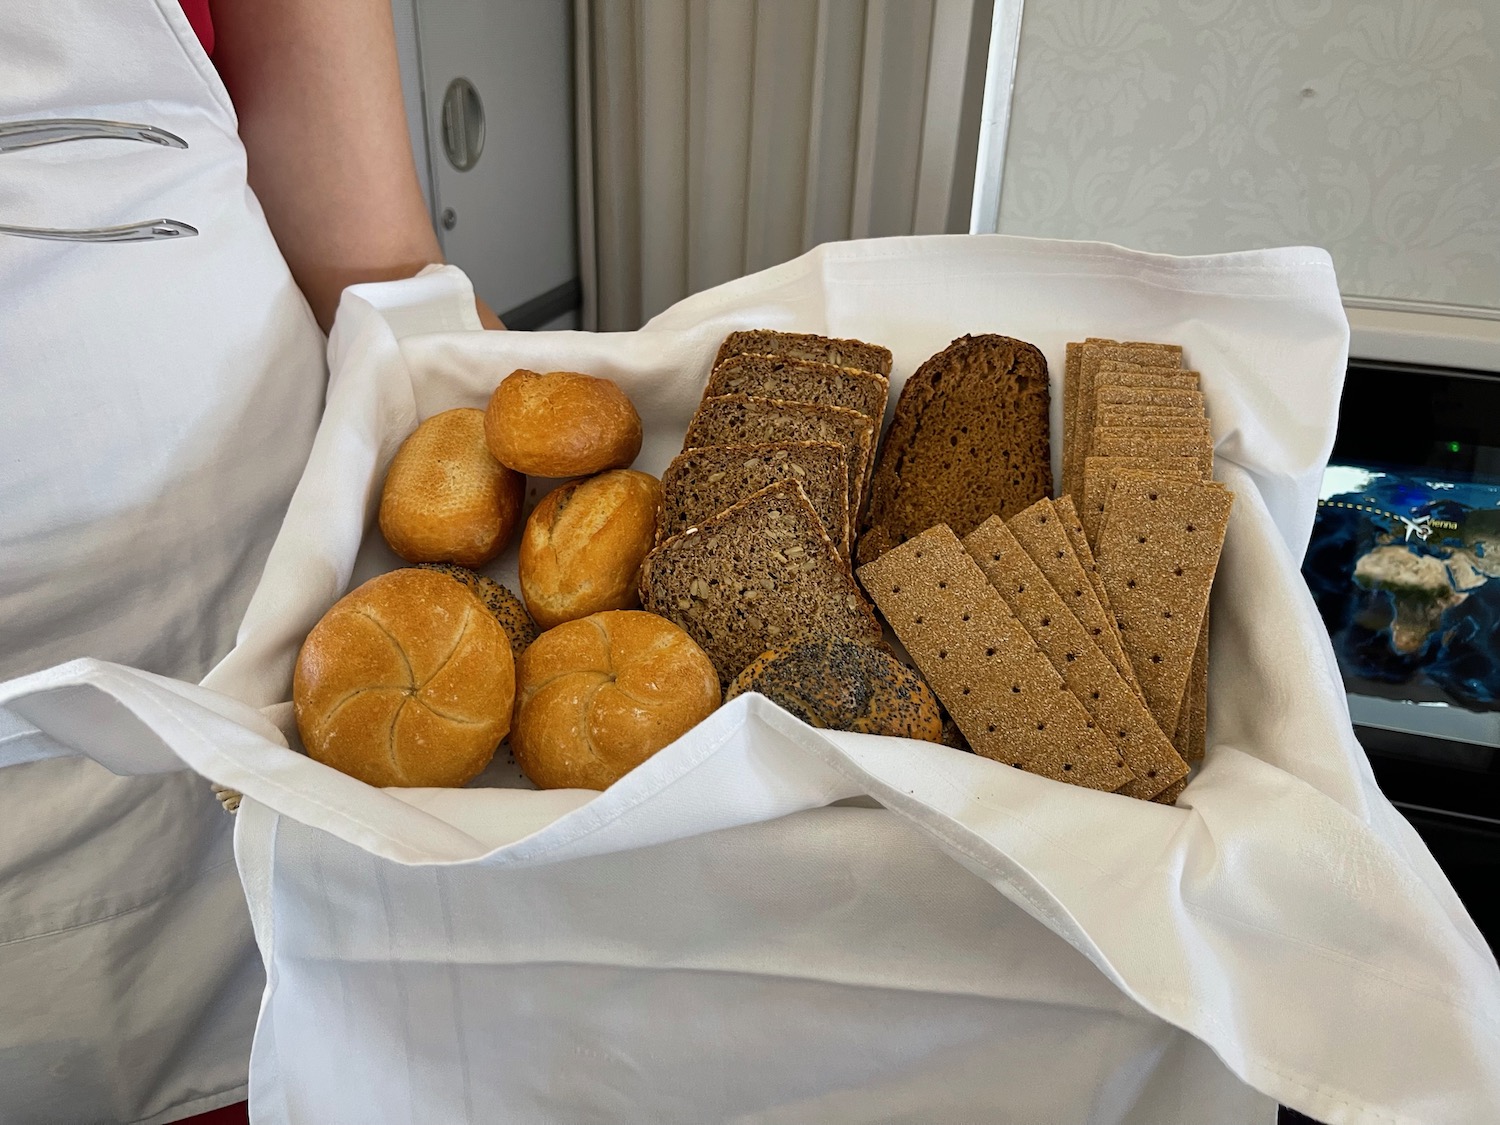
(746, 419)
(757, 576)
(701, 483)
(801, 380)
(805, 345)
(969, 441)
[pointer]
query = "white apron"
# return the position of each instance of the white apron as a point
(157, 403)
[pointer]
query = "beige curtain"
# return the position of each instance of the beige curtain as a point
(719, 137)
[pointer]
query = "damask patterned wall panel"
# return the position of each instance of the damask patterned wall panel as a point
(1190, 126)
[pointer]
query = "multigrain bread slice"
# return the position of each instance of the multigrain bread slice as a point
(701, 483)
(968, 441)
(805, 345)
(755, 577)
(745, 419)
(801, 380)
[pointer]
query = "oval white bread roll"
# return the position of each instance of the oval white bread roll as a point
(445, 498)
(582, 549)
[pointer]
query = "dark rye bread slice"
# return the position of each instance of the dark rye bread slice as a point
(701, 483)
(801, 380)
(805, 345)
(745, 419)
(758, 576)
(969, 441)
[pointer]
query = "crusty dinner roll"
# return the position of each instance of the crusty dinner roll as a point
(841, 684)
(562, 424)
(600, 695)
(582, 548)
(445, 498)
(408, 680)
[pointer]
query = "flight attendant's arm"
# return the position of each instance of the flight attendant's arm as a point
(318, 92)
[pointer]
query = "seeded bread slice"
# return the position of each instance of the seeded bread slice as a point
(801, 380)
(755, 577)
(969, 441)
(804, 345)
(743, 419)
(701, 483)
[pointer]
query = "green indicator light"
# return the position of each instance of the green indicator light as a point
(1453, 447)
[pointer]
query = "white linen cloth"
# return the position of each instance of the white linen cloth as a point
(709, 939)
(160, 400)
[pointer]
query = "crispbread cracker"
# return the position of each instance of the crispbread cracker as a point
(1107, 392)
(1100, 473)
(1084, 668)
(1169, 795)
(1118, 417)
(1191, 736)
(1134, 375)
(997, 685)
(1073, 529)
(1092, 354)
(1158, 550)
(1042, 533)
(1143, 441)
(1070, 410)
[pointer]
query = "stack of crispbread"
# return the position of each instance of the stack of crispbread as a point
(1138, 454)
(1089, 621)
(759, 511)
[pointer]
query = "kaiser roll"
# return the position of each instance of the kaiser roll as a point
(445, 498)
(408, 680)
(562, 424)
(600, 695)
(582, 548)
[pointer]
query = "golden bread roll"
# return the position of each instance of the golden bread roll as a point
(562, 424)
(408, 680)
(839, 684)
(508, 609)
(599, 696)
(445, 498)
(582, 548)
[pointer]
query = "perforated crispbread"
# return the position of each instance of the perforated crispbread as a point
(999, 688)
(1191, 736)
(1107, 393)
(1085, 670)
(1158, 549)
(1073, 529)
(1073, 358)
(1042, 533)
(1092, 353)
(1144, 441)
(1136, 375)
(1100, 473)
